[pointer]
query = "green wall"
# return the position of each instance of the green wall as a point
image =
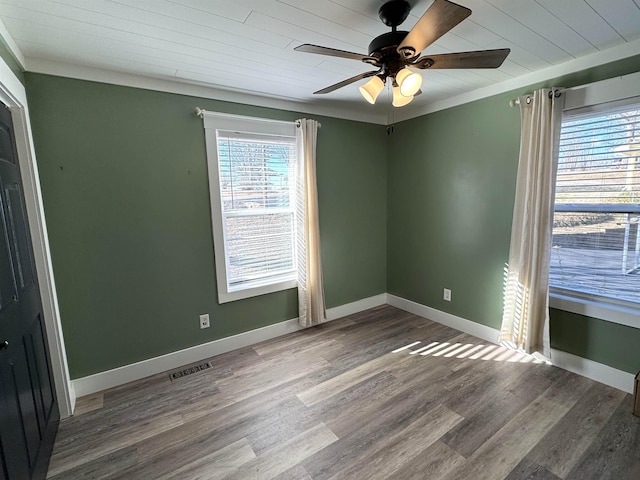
(124, 182)
(123, 174)
(451, 188)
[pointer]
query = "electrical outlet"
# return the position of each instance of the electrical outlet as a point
(204, 320)
(447, 295)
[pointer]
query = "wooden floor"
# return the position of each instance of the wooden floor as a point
(336, 402)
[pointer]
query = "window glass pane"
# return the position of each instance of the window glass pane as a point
(596, 246)
(259, 246)
(257, 197)
(596, 254)
(255, 173)
(252, 165)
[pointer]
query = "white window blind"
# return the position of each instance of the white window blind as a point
(252, 165)
(258, 204)
(596, 247)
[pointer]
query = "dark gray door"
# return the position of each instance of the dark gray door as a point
(28, 407)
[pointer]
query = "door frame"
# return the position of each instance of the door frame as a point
(13, 94)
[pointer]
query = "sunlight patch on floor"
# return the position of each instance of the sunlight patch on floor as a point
(469, 351)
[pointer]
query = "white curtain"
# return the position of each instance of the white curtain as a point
(311, 307)
(525, 320)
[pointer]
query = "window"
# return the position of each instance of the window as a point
(252, 172)
(596, 243)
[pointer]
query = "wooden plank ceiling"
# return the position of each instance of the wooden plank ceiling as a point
(247, 45)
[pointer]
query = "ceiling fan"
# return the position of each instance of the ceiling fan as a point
(394, 52)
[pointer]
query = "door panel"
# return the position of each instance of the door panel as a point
(3, 471)
(6, 141)
(7, 283)
(45, 399)
(17, 223)
(28, 408)
(19, 368)
(16, 456)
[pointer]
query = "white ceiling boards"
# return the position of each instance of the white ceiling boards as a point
(246, 46)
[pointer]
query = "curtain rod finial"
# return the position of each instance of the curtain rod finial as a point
(512, 102)
(199, 112)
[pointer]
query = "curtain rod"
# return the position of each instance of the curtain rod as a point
(200, 113)
(554, 91)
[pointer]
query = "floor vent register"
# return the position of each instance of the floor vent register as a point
(189, 371)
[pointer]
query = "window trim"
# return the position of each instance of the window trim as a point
(585, 96)
(221, 121)
(610, 312)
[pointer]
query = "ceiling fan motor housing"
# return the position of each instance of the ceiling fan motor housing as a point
(385, 41)
(394, 12)
(383, 47)
(393, 51)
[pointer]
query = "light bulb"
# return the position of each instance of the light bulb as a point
(372, 89)
(400, 100)
(409, 82)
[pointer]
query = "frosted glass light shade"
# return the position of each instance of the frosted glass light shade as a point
(410, 82)
(400, 100)
(372, 89)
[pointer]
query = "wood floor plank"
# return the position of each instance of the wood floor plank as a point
(367, 413)
(296, 472)
(356, 415)
(93, 445)
(378, 340)
(503, 451)
(185, 445)
(561, 449)
(433, 463)
(231, 423)
(512, 394)
(338, 384)
(402, 447)
(250, 382)
(277, 460)
(391, 417)
(287, 420)
(349, 403)
(104, 466)
(529, 470)
(215, 466)
(218, 408)
(330, 331)
(89, 403)
(567, 388)
(615, 453)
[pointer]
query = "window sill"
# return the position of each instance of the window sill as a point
(603, 311)
(247, 292)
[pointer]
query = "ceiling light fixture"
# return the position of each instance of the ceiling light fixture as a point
(406, 84)
(372, 89)
(400, 100)
(409, 82)
(392, 52)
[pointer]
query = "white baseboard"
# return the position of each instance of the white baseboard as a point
(356, 307)
(483, 332)
(587, 368)
(135, 371)
(595, 371)
(118, 376)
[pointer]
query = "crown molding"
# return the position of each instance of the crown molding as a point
(345, 111)
(596, 59)
(197, 90)
(12, 45)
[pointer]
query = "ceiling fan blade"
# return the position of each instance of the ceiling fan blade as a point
(333, 52)
(439, 18)
(346, 82)
(479, 59)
